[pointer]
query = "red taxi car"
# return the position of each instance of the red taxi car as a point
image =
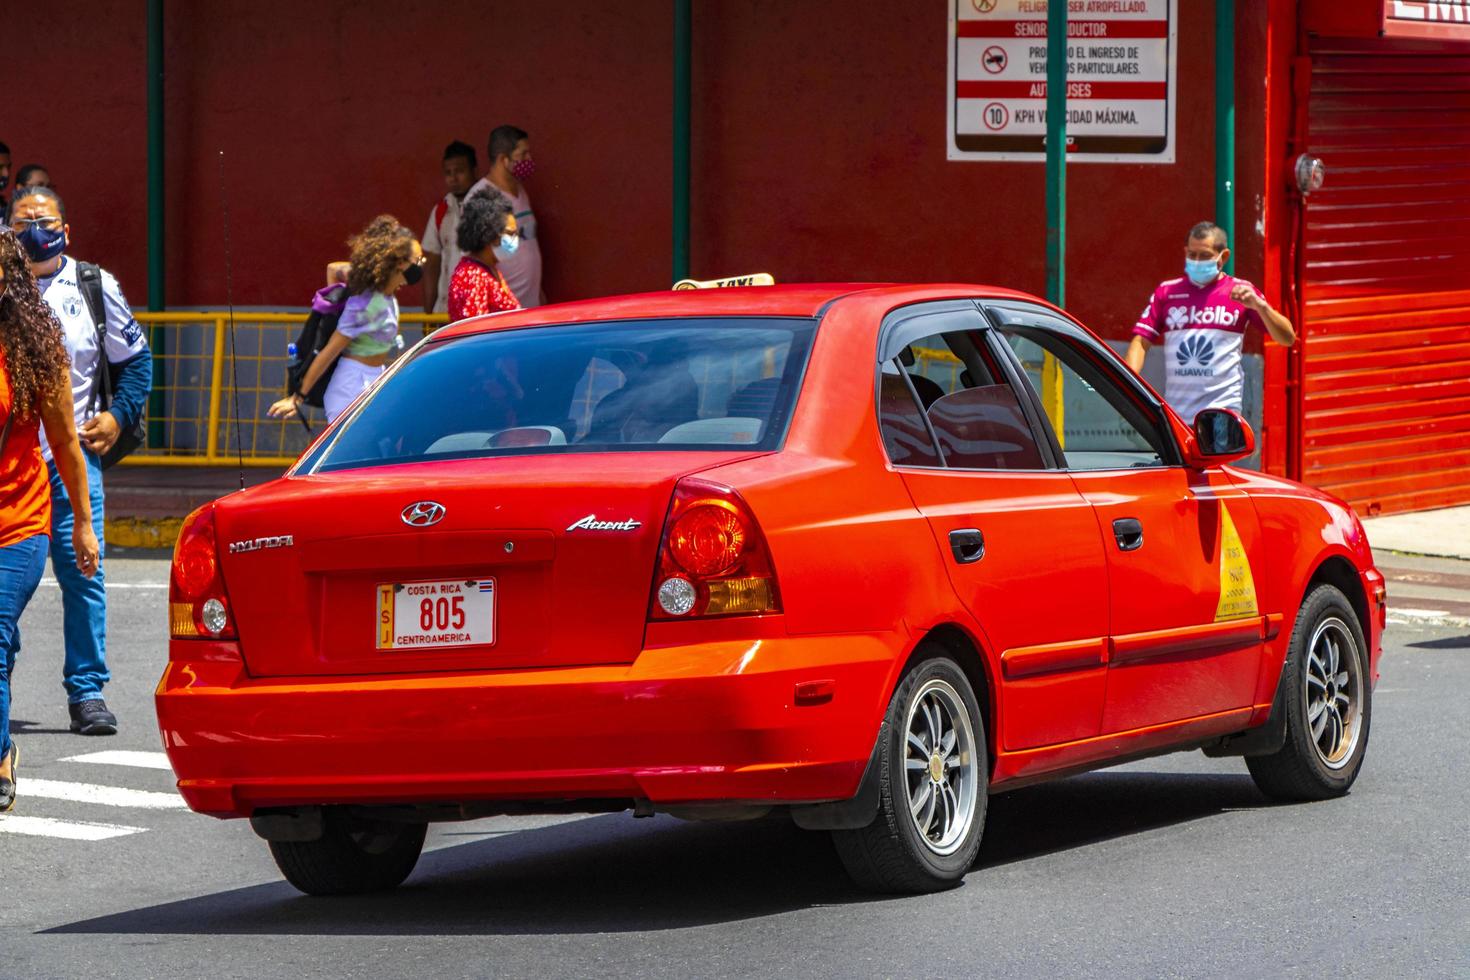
(863, 553)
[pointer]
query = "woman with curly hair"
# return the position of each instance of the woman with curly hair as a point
(385, 257)
(477, 286)
(35, 391)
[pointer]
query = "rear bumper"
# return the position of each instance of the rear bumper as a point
(707, 723)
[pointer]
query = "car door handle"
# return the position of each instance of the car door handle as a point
(967, 544)
(1128, 532)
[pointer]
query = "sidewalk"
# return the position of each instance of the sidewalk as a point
(1441, 533)
(1425, 557)
(146, 504)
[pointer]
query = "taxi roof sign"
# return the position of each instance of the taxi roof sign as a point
(755, 279)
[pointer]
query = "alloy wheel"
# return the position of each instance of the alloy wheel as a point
(1333, 696)
(941, 767)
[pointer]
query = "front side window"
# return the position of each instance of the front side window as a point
(1097, 425)
(944, 400)
(649, 385)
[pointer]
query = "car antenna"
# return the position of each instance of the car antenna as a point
(224, 206)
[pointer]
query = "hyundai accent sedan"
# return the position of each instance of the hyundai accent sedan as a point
(860, 554)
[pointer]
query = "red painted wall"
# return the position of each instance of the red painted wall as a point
(818, 144)
(86, 122)
(331, 113)
(820, 154)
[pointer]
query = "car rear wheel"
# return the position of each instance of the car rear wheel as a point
(351, 856)
(933, 781)
(1327, 700)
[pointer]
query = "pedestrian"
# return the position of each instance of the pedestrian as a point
(478, 286)
(34, 370)
(70, 288)
(32, 175)
(4, 171)
(511, 165)
(1201, 318)
(385, 257)
(441, 244)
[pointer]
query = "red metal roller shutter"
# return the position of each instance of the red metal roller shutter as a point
(1386, 366)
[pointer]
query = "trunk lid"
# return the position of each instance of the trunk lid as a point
(570, 542)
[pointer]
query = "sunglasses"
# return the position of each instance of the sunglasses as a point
(19, 225)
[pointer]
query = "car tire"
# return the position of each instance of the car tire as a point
(352, 856)
(927, 830)
(1327, 697)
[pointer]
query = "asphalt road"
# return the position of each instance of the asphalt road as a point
(1168, 867)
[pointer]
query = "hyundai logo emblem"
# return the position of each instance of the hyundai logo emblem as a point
(423, 513)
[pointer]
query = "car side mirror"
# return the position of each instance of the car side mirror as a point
(1220, 436)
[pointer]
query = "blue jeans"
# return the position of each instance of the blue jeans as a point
(83, 600)
(21, 565)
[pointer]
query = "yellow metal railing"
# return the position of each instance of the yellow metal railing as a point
(205, 376)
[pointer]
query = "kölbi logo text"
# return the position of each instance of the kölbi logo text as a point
(1209, 316)
(259, 544)
(591, 523)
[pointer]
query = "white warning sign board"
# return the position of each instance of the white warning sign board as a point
(1120, 80)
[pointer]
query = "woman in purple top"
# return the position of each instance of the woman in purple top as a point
(385, 257)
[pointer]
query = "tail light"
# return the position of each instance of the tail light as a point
(197, 603)
(713, 559)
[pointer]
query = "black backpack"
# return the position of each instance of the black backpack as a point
(315, 333)
(89, 279)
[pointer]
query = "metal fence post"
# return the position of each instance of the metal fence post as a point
(157, 299)
(1225, 123)
(216, 378)
(682, 82)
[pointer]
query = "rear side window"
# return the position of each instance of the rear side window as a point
(649, 385)
(944, 400)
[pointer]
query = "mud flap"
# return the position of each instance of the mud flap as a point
(1267, 739)
(850, 814)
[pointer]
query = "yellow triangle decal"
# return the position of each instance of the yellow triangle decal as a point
(1237, 585)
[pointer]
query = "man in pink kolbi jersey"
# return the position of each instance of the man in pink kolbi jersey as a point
(1201, 319)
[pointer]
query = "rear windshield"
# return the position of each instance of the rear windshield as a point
(643, 385)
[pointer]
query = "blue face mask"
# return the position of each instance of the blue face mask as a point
(1201, 272)
(509, 243)
(41, 244)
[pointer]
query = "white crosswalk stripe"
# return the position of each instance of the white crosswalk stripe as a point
(11, 823)
(123, 757)
(114, 585)
(54, 789)
(47, 800)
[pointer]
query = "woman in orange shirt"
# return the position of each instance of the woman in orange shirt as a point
(35, 390)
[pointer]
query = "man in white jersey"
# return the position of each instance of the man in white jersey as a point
(38, 217)
(1201, 319)
(510, 165)
(441, 235)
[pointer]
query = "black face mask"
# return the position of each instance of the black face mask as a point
(413, 274)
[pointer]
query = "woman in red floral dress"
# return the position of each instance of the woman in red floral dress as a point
(477, 286)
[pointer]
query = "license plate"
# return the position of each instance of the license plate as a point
(431, 615)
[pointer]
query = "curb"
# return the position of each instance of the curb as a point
(1444, 554)
(1426, 617)
(141, 532)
